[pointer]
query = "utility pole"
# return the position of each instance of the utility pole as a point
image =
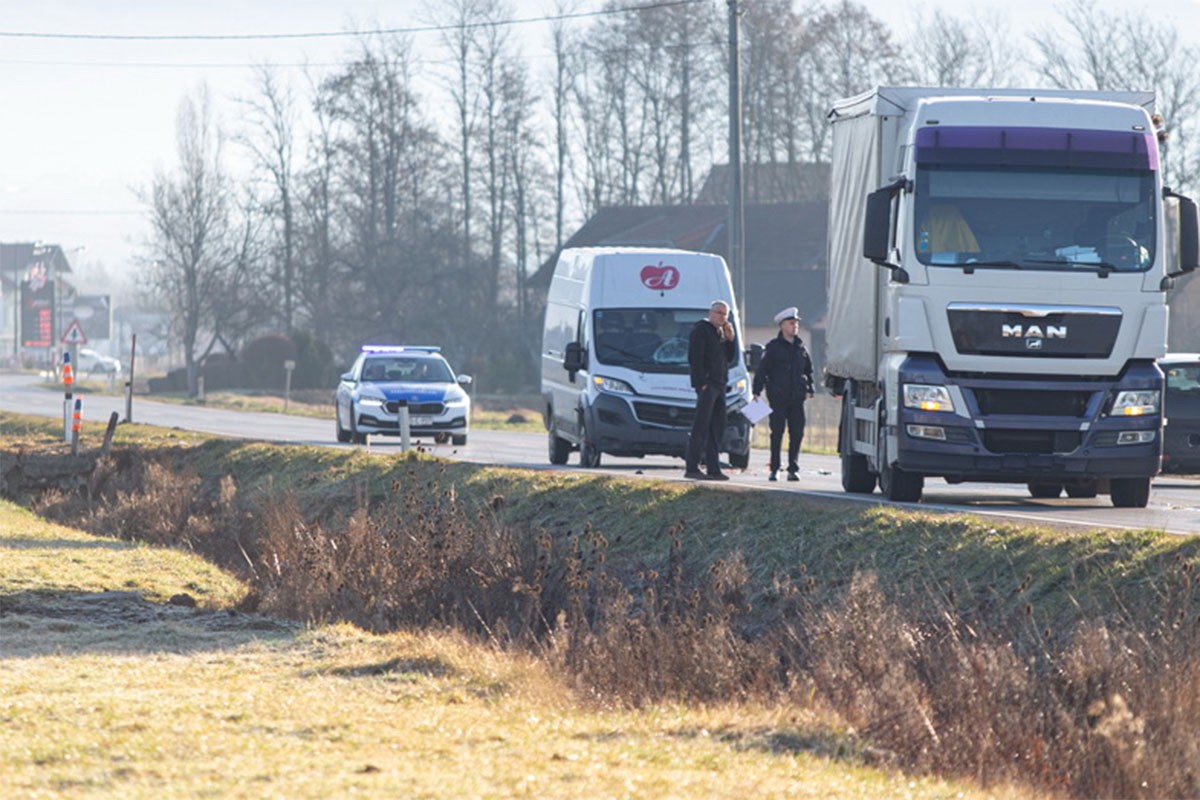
(737, 217)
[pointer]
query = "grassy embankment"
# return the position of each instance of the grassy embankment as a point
(775, 645)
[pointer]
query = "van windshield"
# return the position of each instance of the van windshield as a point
(645, 339)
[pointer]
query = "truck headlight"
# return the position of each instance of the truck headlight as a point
(611, 385)
(927, 397)
(1135, 403)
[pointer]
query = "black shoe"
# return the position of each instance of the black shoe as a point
(695, 475)
(716, 476)
(774, 476)
(793, 476)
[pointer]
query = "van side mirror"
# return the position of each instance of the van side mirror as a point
(573, 358)
(754, 357)
(877, 228)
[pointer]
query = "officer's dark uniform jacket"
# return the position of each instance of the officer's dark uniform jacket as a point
(708, 357)
(786, 372)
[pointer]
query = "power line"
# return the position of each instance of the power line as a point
(217, 37)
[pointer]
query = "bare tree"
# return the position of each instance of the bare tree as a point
(945, 50)
(1098, 49)
(269, 133)
(189, 255)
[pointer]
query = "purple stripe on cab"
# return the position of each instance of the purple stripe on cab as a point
(1133, 145)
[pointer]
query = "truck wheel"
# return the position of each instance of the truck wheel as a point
(901, 486)
(1043, 490)
(1085, 489)
(857, 477)
(739, 460)
(1130, 492)
(589, 454)
(560, 448)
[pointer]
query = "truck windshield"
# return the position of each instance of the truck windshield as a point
(1048, 218)
(645, 339)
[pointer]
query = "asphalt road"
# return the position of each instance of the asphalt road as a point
(1174, 501)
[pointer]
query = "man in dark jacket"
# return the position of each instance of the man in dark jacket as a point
(711, 349)
(786, 373)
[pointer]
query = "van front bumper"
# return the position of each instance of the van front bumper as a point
(638, 426)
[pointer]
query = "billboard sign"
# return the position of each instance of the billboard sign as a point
(37, 311)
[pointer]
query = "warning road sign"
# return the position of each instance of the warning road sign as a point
(74, 334)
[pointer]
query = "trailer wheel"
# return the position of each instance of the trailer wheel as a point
(857, 477)
(1130, 492)
(900, 485)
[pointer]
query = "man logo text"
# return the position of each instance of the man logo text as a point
(1033, 332)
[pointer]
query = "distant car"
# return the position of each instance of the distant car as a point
(369, 397)
(90, 362)
(1181, 434)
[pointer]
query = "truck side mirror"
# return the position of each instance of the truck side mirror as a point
(754, 357)
(877, 228)
(573, 358)
(1189, 235)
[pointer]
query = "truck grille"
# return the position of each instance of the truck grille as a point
(1023, 402)
(1025, 441)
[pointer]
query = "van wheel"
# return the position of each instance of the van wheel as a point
(560, 448)
(1130, 492)
(900, 485)
(857, 477)
(739, 460)
(1043, 490)
(589, 454)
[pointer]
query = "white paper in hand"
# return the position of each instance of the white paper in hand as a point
(756, 410)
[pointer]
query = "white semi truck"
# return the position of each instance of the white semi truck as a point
(998, 265)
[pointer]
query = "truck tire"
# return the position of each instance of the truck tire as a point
(1130, 492)
(901, 486)
(560, 448)
(1044, 490)
(857, 477)
(589, 454)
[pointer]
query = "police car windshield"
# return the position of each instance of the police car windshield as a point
(398, 369)
(645, 339)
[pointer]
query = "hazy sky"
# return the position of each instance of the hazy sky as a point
(89, 121)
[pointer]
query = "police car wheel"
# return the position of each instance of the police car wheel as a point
(441, 438)
(343, 435)
(459, 439)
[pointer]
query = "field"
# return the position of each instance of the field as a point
(363, 622)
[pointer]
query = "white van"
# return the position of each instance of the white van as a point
(614, 353)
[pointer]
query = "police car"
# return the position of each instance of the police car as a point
(384, 378)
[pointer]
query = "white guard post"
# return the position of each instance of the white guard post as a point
(402, 418)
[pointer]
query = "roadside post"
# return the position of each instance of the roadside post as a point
(129, 382)
(402, 418)
(288, 366)
(68, 394)
(76, 424)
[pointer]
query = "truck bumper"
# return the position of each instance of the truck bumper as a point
(1022, 430)
(622, 427)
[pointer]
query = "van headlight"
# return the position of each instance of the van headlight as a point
(1135, 403)
(611, 385)
(927, 397)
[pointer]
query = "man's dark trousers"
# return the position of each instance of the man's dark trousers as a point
(790, 416)
(708, 429)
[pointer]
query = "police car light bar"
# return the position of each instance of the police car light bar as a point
(390, 348)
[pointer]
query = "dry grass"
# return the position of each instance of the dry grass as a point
(1065, 662)
(107, 695)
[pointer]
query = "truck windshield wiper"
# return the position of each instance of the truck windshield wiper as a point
(1102, 268)
(969, 266)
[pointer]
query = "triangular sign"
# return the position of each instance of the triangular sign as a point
(74, 334)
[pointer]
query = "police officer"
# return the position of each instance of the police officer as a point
(786, 373)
